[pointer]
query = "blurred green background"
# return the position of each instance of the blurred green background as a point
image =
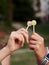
(14, 14)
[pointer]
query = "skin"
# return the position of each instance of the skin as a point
(16, 40)
(6, 61)
(37, 44)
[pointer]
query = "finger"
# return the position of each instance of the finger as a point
(25, 35)
(36, 34)
(35, 37)
(32, 47)
(18, 38)
(13, 45)
(22, 29)
(33, 42)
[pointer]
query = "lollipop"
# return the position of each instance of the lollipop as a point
(34, 23)
(29, 23)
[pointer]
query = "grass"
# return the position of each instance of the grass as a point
(27, 58)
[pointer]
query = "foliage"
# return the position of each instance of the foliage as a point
(26, 58)
(23, 10)
(4, 6)
(4, 12)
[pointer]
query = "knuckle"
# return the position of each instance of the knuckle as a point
(31, 36)
(11, 37)
(42, 39)
(37, 46)
(12, 32)
(22, 29)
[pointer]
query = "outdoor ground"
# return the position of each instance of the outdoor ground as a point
(25, 58)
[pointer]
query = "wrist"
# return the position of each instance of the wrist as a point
(8, 50)
(45, 60)
(41, 56)
(45, 53)
(4, 53)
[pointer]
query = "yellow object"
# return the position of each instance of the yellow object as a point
(34, 22)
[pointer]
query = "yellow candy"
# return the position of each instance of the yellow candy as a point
(34, 22)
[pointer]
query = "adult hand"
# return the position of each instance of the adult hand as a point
(37, 44)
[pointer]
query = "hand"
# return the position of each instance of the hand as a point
(17, 39)
(37, 44)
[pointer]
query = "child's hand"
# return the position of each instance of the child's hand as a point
(17, 39)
